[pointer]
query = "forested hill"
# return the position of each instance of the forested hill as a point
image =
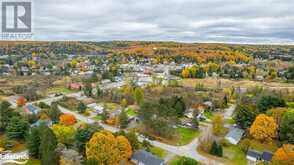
(198, 51)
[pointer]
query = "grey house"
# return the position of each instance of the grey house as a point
(142, 157)
(253, 156)
(235, 135)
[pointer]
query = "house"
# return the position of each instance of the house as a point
(97, 108)
(31, 109)
(142, 157)
(48, 123)
(235, 135)
(266, 156)
(253, 156)
(76, 86)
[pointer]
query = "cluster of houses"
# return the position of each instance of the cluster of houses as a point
(254, 157)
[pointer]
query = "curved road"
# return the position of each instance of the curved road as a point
(188, 150)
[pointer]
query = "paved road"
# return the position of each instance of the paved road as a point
(229, 111)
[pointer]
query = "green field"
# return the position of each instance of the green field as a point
(235, 155)
(62, 90)
(158, 151)
(97, 118)
(186, 135)
(131, 112)
(33, 162)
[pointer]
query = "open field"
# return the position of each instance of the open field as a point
(226, 83)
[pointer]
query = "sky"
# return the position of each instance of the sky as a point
(230, 21)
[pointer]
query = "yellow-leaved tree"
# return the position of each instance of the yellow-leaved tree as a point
(124, 147)
(185, 73)
(263, 128)
(105, 149)
(284, 155)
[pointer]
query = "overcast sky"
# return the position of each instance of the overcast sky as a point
(237, 21)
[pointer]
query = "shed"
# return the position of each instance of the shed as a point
(253, 155)
(235, 135)
(266, 156)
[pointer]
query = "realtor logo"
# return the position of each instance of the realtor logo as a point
(16, 17)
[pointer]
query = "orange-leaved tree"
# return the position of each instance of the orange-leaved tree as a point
(284, 155)
(67, 119)
(263, 128)
(104, 148)
(21, 101)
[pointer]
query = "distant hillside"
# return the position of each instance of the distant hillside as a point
(197, 51)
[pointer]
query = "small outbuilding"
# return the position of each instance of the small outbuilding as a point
(253, 156)
(235, 135)
(266, 156)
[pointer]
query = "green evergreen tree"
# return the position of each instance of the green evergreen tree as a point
(33, 142)
(220, 151)
(214, 148)
(54, 112)
(132, 138)
(99, 91)
(139, 96)
(195, 123)
(5, 114)
(47, 147)
(17, 128)
(123, 119)
(82, 107)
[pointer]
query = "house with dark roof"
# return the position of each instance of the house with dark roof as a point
(235, 135)
(141, 157)
(266, 156)
(253, 155)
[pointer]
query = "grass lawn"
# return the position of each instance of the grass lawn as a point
(230, 121)
(174, 161)
(62, 90)
(158, 152)
(208, 114)
(256, 145)
(186, 135)
(131, 112)
(110, 106)
(98, 117)
(33, 162)
(290, 105)
(235, 155)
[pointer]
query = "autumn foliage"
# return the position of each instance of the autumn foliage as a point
(107, 149)
(284, 155)
(21, 101)
(263, 128)
(67, 119)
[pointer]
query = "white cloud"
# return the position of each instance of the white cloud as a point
(245, 21)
